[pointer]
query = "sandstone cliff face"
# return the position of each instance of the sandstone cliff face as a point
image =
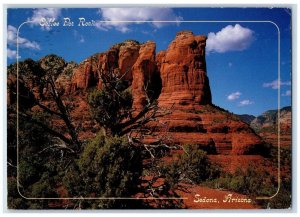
(133, 61)
(183, 71)
(142, 73)
(180, 70)
(120, 58)
(85, 75)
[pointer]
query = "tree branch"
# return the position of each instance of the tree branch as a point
(45, 127)
(64, 115)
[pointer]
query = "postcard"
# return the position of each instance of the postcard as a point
(149, 108)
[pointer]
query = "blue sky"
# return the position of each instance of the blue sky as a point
(241, 56)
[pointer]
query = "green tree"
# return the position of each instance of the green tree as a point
(43, 150)
(109, 167)
(111, 106)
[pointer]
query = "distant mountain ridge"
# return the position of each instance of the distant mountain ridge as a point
(268, 120)
(247, 118)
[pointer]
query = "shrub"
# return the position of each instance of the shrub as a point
(14, 200)
(108, 167)
(251, 182)
(283, 200)
(254, 182)
(191, 166)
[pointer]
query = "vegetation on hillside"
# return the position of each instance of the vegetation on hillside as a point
(51, 161)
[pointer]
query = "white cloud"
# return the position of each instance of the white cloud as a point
(287, 93)
(276, 83)
(40, 13)
(135, 14)
(23, 42)
(234, 96)
(246, 102)
(11, 54)
(230, 64)
(230, 38)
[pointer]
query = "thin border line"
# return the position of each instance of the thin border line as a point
(153, 198)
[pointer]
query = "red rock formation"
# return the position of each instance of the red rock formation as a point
(183, 71)
(142, 73)
(176, 76)
(63, 81)
(160, 57)
(133, 60)
(128, 55)
(119, 58)
(85, 75)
